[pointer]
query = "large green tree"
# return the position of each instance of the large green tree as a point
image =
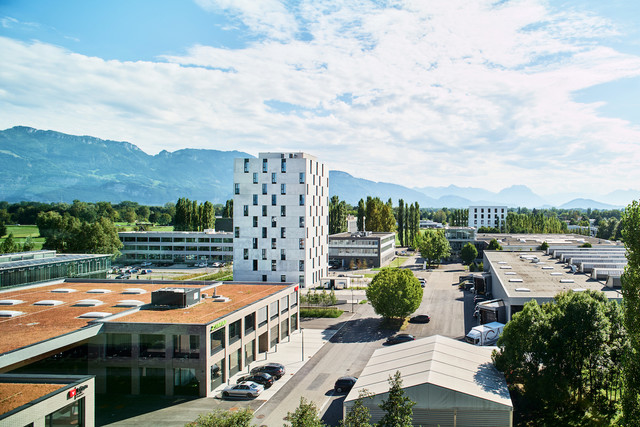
(398, 408)
(400, 220)
(433, 246)
(9, 245)
(394, 293)
(305, 415)
(337, 215)
(221, 418)
(468, 253)
(358, 415)
(494, 245)
(361, 215)
(631, 294)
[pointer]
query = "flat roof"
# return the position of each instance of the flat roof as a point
(439, 361)
(358, 235)
(538, 239)
(38, 323)
(522, 278)
(15, 395)
(51, 260)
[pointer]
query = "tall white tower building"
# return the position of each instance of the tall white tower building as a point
(280, 219)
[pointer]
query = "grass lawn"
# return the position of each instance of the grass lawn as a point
(21, 232)
(397, 262)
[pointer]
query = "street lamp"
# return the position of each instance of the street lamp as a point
(352, 300)
(302, 331)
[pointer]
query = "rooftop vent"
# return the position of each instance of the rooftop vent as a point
(220, 298)
(88, 303)
(48, 302)
(566, 280)
(99, 291)
(502, 262)
(556, 274)
(516, 281)
(10, 313)
(129, 303)
(579, 290)
(523, 290)
(95, 315)
(11, 301)
(505, 267)
(63, 290)
(547, 267)
(510, 273)
(134, 291)
(175, 297)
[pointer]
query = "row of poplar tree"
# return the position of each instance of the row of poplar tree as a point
(191, 216)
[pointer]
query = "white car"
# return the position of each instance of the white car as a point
(246, 389)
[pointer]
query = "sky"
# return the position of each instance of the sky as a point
(420, 93)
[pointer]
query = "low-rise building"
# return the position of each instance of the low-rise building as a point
(362, 248)
(187, 247)
(25, 268)
(142, 337)
(458, 237)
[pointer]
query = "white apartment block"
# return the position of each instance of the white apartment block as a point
(487, 216)
(280, 219)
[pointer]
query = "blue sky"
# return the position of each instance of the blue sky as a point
(484, 93)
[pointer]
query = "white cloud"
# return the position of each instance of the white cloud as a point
(459, 92)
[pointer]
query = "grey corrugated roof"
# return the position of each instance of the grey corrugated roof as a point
(46, 261)
(438, 361)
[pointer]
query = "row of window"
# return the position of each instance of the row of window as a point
(475, 210)
(179, 248)
(177, 239)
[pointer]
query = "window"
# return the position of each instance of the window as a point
(246, 165)
(255, 200)
(301, 222)
(152, 345)
(294, 300)
(245, 253)
(273, 310)
(283, 166)
(283, 232)
(283, 254)
(264, 277)
(264, 232)
(283, 278)
(273, 178)
(245, 210)
(274, 223)
(236, 188)
(255, 221)
(70, 415)
(216, 374)
(217, 340)
(262, 316)
(301, 265)
(255, 265)
(273, 200)
(302, 200)
(273, 243)
(118, 345)
(284, 304)
(264, 210)
(264, 165)
(186, 346)
(255, 243)
(273, 265)
(264, 254)
(264, 188)
(301, 244)
(234, 331)
(301, 178)
(249, 323)
(255, 177)
(283, 211)
(283, 188)
(185, 381)
(301, 279)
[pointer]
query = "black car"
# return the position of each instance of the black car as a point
(276, 370)
(344, 384)
(420, 318)
(263, 378)
(400, 338)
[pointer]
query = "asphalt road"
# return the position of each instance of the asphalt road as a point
(349, 350)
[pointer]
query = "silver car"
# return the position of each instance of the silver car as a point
(247, 389)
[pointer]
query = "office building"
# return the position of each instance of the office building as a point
(361, 249)
(487, 216)
(280, 219)
(188, 247)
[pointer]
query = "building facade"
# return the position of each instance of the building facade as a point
(281, 219)
(361, 249)
(176, 246)
(487, 216)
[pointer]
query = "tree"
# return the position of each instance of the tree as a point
(434, 246)
(398, 407)
(305, 415)
(221, 418)
(631, 306)
(494, 245)
(361, 214)
(394, 293)
(337, 215)
(3, 229)
(9, 245)
(400, 220)
(469, 253)
(358, 415)
(28, 245)
(544, 246)
(142, 213)
(227, 212)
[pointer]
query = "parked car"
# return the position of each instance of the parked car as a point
(420, 318)
(399, 338)
(344, 384)
(145, 264)
(123, 276)
(276, 370)
(248, 389)
(263, 379)
(423, 281)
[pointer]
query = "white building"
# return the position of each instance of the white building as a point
(487, 216)
(281, 219)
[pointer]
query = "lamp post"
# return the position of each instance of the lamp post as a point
(352, 300)
(302, 331)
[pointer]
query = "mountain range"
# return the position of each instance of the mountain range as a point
(49, 166)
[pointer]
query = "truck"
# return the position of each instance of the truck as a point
(486, 334)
